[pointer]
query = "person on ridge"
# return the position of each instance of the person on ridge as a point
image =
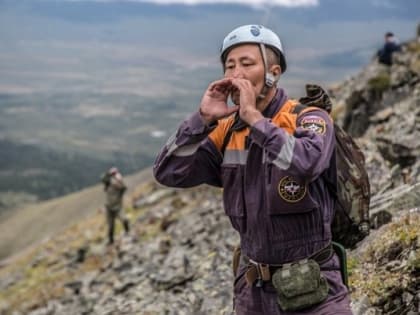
(114, 188)
(391, 45)
(271, 157)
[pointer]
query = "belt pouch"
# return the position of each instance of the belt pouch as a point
(300, 285)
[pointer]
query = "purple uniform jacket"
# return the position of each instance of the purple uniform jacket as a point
(273, 193)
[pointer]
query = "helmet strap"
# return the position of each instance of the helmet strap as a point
(269, 79)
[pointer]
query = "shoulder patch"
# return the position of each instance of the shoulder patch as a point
(314, 123)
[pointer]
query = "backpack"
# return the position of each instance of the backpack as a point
(351, 189)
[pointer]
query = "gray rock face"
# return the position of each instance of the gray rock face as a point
(378, 87)
(389, 100)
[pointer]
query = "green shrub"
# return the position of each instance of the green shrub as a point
(413, 47)
(380, 83)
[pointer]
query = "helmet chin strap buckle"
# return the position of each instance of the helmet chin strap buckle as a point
(270, 80)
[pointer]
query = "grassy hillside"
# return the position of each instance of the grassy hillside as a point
(29, 225)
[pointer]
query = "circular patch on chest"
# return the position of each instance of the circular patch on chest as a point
(290, 191)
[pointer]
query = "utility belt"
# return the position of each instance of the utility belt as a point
(298, 284)
(259, 272)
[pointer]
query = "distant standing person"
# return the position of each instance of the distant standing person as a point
(114, 188)
(391, 45)
(418, 31)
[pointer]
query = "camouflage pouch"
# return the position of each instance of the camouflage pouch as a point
(300, 285)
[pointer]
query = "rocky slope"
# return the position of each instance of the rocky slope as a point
(177, 257)
(381, 106)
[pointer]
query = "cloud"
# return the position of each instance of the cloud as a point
(384, 4)
(253, 3)
(286, 3)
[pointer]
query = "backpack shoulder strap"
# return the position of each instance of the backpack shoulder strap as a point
(298, 108)
(226, 140)
(237, 125)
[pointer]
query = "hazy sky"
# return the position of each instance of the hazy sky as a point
(253, 3)
(149, 49)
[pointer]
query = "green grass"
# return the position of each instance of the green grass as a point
(380, 83)
(369, 273)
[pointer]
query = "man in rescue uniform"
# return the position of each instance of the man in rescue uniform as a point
(268, 153)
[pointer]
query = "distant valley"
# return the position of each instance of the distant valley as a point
(30, 173)
(53, 145)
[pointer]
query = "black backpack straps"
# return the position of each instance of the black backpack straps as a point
(298, 108)
(316, 97)
(237, 125)
(342, 256)
(226, 140)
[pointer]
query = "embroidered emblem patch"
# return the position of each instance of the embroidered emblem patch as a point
(290, 190)
(255, 30)
(314, 123)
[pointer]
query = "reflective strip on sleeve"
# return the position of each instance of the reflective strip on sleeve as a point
(238, 157)
(284, 158)
(186, 150)
(171, 140)
(171, 145)
(176, 150)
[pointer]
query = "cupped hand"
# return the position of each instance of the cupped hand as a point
(248, 101)
(214, 102)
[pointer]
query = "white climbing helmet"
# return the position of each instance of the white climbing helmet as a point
(257, 34)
